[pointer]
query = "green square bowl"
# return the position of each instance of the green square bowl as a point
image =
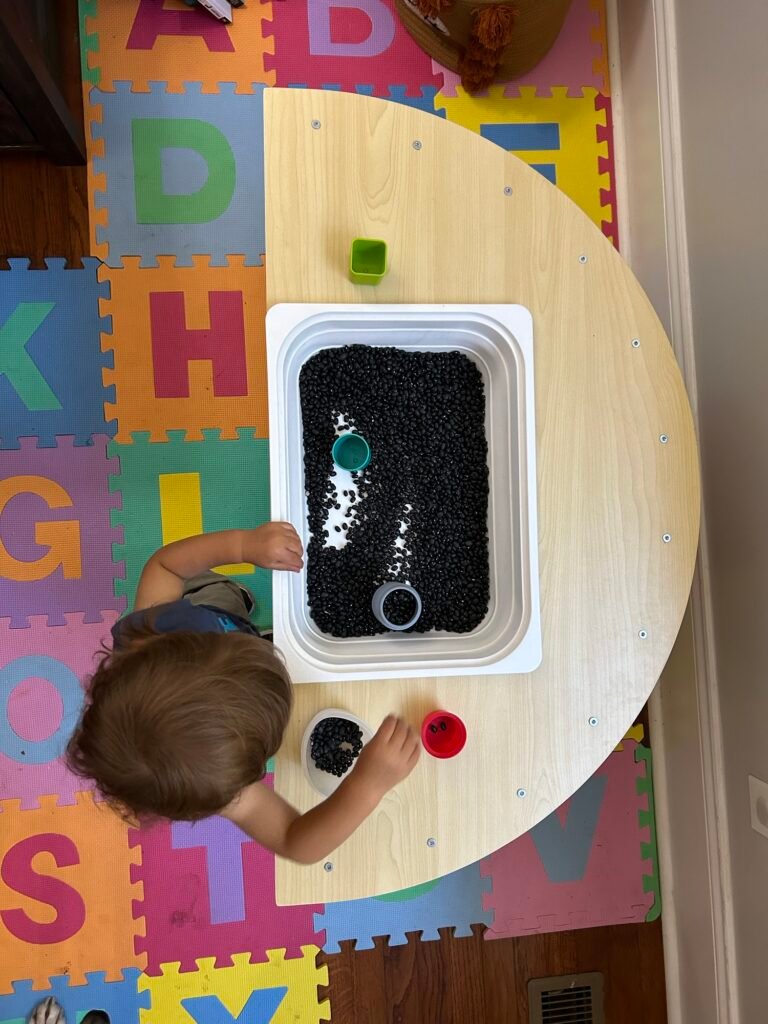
(368, 260)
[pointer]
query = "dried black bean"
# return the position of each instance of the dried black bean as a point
(423, 414)
(334, 745)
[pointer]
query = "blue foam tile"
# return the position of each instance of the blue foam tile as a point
(456, 901)
(425, 102)
(397, 93)
(197, 143)
(120, 999)
(50, 354)
(549, 171)
(521, 137)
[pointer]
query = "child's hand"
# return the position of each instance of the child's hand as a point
(390, 756)
(274, 546)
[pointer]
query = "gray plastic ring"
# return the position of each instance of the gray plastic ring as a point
(380, 596)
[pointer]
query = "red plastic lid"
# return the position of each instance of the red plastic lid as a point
(443, 734)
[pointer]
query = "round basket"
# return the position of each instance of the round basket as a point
(451, 35)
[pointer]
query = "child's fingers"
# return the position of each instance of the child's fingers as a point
(413, 758)
(291, 536)
(408, 737)
(289, 531)
(289, 540)
(400, 734)
(288, 555)
(289, 564)
(284, 536)
(387, 728)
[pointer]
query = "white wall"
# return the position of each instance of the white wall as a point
(723, 82)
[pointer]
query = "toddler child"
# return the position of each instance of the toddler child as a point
(184, 712)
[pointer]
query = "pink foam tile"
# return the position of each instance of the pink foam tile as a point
(601, 883)
(42, 671)
(575, 61)
(347, 43)
(209, 891)
(607, 165)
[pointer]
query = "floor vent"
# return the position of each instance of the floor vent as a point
(569, 999)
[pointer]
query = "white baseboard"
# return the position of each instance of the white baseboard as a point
(694, 857)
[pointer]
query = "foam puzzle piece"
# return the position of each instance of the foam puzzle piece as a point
(607, 166)
(548, 171)
(260, 1007)
(346, 41)
(574, 121)
(635, 732)
(228, 480)
(41, 671)
(599, 34)
(209, 890)
(577, 59)
(146, 41)
(426, 100)
(456, 901)
(181, 174)
(647, 820)
(120, 999)
(189, 348)
(89, 43)
(582, 866)
(55, 534)
(50, 358)
(178, 997)
(65, 892)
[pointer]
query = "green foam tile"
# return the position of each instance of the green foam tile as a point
(89, 41)
(647, 819)
(234, 488)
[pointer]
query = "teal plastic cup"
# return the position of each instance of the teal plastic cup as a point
(351, 452)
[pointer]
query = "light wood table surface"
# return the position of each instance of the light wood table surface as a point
(613, 592)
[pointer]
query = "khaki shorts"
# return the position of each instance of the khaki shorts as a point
(217, 591)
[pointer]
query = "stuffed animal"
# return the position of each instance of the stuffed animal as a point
(484, 41)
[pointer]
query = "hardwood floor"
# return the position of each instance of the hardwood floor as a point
(44, 212)
(470, 981)
(44, 208)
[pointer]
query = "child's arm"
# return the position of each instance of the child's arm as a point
(389, 757)
(271, 546)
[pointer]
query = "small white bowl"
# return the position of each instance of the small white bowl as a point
(323, 782)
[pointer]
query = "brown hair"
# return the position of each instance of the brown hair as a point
(177, 724)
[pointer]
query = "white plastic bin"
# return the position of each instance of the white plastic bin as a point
(499, 340)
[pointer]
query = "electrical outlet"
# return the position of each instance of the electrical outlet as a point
(758, 805)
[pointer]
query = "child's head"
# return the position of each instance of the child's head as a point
(178, 723)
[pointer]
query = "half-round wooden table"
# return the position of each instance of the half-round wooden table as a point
(618, 481)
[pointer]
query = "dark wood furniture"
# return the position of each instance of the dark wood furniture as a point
(35, 112)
